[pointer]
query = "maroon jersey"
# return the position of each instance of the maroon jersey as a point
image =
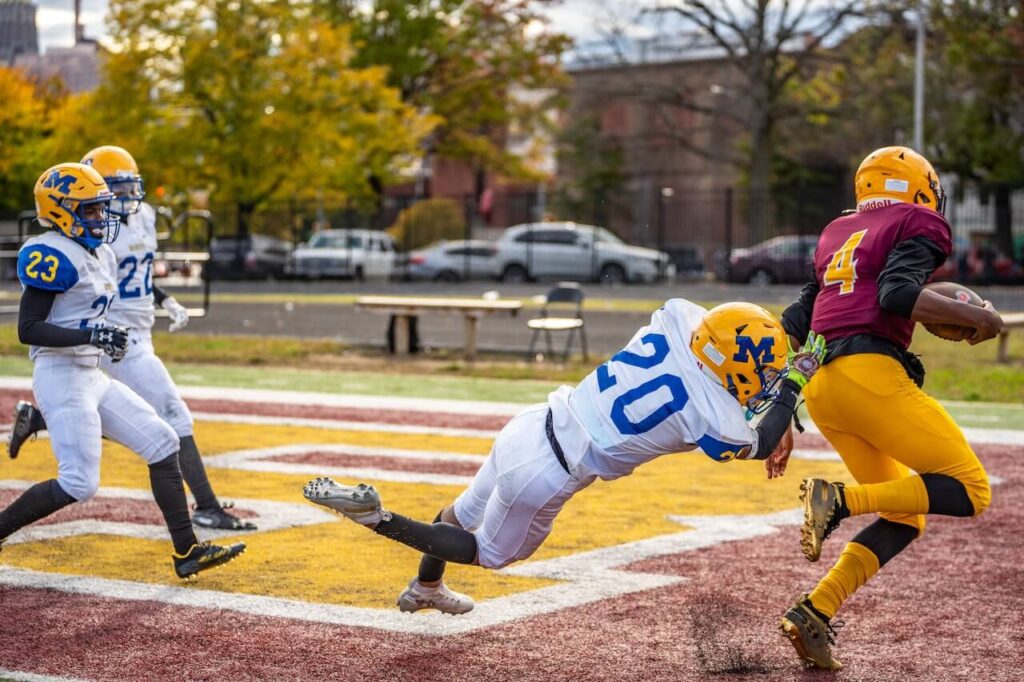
(852, 253)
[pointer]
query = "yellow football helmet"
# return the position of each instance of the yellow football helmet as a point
(121, 174)
(63, 196)
(898, 174)
(743, 347)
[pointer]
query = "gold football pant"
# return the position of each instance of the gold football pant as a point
(885, 429)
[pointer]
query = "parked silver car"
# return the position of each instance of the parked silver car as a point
(452, 261)
(564, 250)
(360, 254)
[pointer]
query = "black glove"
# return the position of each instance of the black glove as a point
(111, 340)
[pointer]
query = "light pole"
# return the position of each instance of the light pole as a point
(666, 194)
(919, 81)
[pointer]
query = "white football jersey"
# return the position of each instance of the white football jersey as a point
(85, 284)
(134, 248)
(650, 399)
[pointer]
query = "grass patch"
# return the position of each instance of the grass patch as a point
(956, 371)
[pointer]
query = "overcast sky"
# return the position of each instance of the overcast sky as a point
(55, 19)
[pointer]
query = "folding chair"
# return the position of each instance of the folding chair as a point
(565, 295)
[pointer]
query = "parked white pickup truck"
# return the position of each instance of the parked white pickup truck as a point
(576, 252)
(360, 254)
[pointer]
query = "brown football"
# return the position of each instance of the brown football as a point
(952, 332)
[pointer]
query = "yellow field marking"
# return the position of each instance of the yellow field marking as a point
(342, 563)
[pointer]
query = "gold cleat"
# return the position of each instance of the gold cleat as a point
(822, 514)
(811, 635)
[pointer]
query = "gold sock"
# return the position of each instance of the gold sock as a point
(856, 565)
(903, 495)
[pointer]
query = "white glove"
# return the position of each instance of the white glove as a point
(177, 313)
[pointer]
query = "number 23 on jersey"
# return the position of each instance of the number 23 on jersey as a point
(842, 269)
(48, 273)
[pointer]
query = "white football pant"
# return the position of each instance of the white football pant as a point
(80, 404)
(512, 502)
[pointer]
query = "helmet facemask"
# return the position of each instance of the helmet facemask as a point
(92, 227)
(128, 194)
(771, 381)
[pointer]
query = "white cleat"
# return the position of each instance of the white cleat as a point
(360, 503)
(416, 598)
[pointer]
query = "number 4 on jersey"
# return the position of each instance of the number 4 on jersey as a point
(842, 269)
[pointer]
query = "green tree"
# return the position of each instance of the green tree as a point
(467, 62)
(979, 110)
(253, 101)
(426, 222)
(595, 177)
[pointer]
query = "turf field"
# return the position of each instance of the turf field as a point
(678, 572)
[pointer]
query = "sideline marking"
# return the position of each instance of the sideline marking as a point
(22, 676)
(586, 577)
(270, 516)
(456, 407)
(253, 395)
(259, 459)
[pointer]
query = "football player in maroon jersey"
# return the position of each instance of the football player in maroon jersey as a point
(866, 295)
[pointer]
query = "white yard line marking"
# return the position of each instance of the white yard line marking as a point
(252, 395)
(269, 516)
(22, 676)
(341, 425)
(584, 578)
(260, 459)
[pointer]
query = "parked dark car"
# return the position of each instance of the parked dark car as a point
(256, 256)
(785, 259)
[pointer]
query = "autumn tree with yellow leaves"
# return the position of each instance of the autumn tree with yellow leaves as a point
(252, 101)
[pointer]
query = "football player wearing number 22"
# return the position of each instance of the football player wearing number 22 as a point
(134, 246)
(865, 296)
(690, 379)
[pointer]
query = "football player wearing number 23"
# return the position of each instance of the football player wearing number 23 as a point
(69, 279)
(690, 379)
(866, 295)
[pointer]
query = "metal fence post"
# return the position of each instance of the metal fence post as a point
(727, 269)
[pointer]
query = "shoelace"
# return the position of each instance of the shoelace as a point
(833, 630)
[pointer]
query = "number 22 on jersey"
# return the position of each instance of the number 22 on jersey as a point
(842, 269)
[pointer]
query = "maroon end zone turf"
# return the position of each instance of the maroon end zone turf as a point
(948, 608)
(10, 397)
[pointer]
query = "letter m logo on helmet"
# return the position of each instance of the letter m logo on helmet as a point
(62, 183)
(760, 352)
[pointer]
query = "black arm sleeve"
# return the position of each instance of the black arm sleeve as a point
(796, 319)
(34, 330)
(907, 268)
(776, 420)
(158, 295)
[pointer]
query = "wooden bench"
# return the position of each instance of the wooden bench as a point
(1010, 321)
(404, 308)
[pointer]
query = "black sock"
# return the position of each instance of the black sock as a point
(441, 540)
(36, 503)
(194, 473)
(844, 511)
(38, 423)
(431, 568)
(947, 495)
(169, 493)
(886, 538)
